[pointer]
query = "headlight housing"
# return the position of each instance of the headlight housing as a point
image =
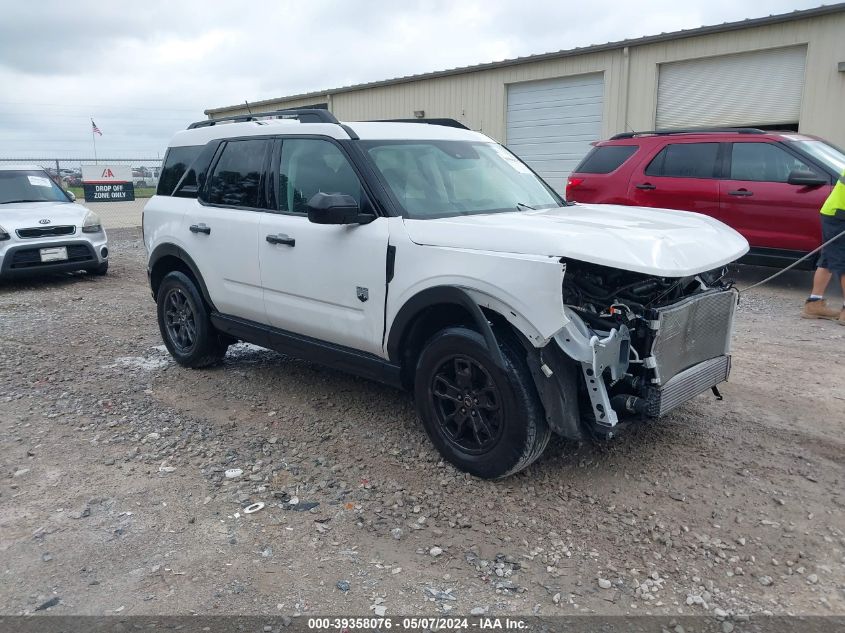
(91, 223)
(4, 235)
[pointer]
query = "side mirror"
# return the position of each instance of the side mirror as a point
(71, 195)
(806, 178)
(336, 208)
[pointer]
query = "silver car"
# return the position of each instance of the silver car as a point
(42, 230)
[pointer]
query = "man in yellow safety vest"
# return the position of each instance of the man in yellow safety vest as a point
(832, 259)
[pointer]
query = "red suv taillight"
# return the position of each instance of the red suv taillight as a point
(572, 183)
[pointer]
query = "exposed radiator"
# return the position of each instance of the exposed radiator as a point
(692, 331)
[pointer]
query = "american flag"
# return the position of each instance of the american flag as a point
(95, 129)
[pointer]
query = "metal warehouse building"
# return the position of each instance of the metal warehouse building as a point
(783, 71)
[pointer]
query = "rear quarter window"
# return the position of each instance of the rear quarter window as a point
(605, 159)
(176, 163)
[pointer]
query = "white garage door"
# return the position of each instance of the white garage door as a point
(551, 123)
(758, 88)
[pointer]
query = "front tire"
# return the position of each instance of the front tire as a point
(185, 325)
(485, 421)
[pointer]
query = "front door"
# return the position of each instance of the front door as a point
(323, 281)
(757, 200)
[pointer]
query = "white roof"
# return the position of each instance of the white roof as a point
(21, 168)
(366, 130)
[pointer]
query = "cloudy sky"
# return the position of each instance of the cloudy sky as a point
(143, 70)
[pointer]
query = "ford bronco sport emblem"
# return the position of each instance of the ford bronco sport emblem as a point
(44, 221)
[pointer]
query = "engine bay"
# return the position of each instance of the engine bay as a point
(608, 299)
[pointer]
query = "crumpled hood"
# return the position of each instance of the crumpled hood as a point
(645, 240)
(21, 215)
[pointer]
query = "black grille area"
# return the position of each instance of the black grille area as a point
(31, 257)
(46, 231)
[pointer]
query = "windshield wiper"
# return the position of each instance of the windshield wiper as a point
(13, 201)
(522, 205)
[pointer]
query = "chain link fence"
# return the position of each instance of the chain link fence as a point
(67, 173)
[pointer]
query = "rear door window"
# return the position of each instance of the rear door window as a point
(605, 159)
(764, 162)
(176, 163)
(238, 176)
(685, 160)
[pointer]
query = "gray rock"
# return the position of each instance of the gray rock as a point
(604, 583)
(343, 585)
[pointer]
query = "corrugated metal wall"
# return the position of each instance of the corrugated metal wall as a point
(478, 99)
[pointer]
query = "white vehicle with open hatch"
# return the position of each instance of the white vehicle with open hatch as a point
(42, 230)
(429, 257)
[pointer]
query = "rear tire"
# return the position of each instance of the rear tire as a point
(184, 323)
(485, 421)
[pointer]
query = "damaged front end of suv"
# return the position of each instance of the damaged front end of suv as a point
(642, 345)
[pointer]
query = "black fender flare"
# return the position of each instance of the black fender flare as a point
(171, 250)
(438, 295)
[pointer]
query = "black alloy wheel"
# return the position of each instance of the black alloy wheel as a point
(180, 320)
(467, 404)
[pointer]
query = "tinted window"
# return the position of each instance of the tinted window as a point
(605, 159)
(178, 160)
(309, 166)
(763, 162)
(237, 177)
(685, 160)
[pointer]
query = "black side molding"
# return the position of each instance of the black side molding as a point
(338, 357)
(434, 296)
(164, 250)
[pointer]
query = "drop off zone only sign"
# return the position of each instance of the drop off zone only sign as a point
(108, 183)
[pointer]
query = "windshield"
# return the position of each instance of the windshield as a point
(29, 186)
(825, 153)
(437, 179)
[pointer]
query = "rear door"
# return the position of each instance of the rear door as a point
(757, 201)
(681, 175)
(221, 227)
(323, 281)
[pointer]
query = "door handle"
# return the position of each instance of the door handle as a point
(646, 185)
(741, 192)
(200, 228)
(281, 238)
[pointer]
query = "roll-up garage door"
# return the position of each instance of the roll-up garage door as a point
(551, 123)
(757, 88)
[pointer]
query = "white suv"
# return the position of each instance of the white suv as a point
(429, 257)
(42, 231)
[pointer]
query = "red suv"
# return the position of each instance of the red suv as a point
(769, 186)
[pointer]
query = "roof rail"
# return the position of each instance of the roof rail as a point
(443, 122)
(303, 115)
(694, 130)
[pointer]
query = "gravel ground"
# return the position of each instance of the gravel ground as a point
(116, 495)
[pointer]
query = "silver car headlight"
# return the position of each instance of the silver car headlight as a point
(92, 223)
(4, 235)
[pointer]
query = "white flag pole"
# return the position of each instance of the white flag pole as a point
(94, 140)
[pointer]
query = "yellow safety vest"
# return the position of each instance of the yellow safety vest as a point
(836, 199)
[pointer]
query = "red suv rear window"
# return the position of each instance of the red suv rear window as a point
(605, 159)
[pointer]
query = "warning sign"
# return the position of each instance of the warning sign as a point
(108, 183)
